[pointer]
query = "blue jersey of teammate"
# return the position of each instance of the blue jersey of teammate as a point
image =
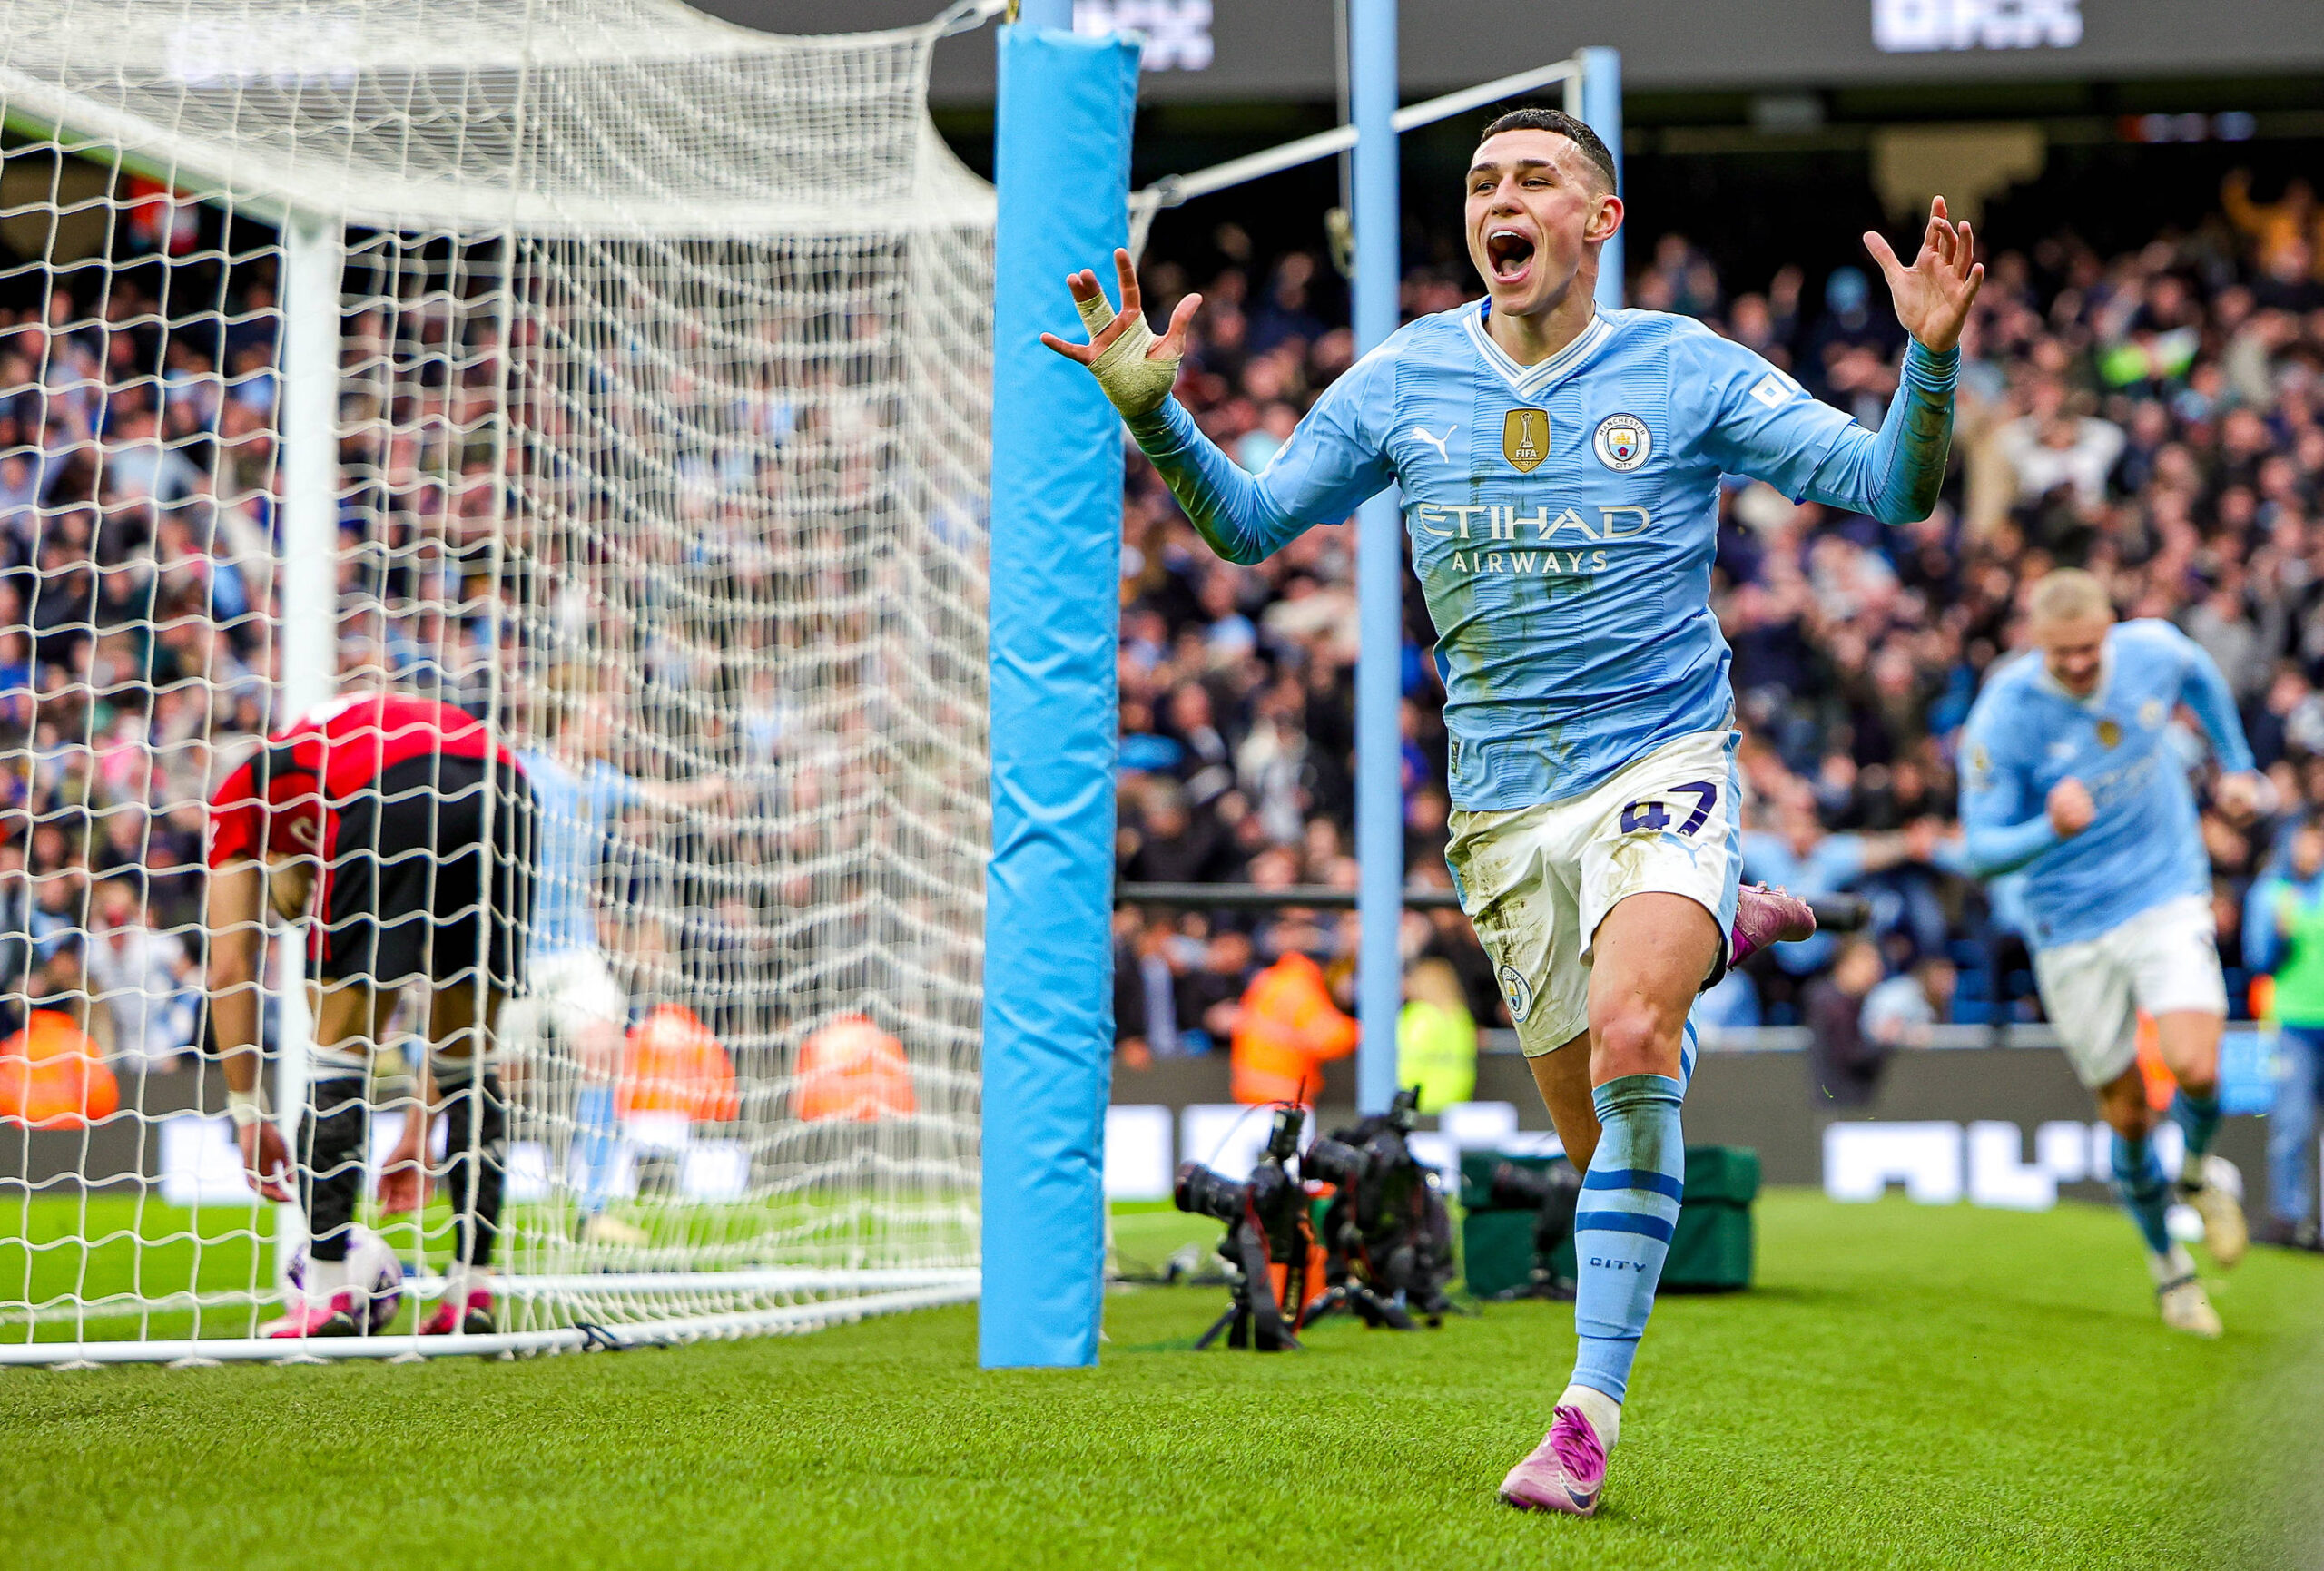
(1563, 517)
(2027, 733)
(576, 812)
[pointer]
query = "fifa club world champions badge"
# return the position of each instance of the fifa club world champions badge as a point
(1525, 438)
(1623, 443)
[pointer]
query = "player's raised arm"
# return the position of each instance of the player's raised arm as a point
(1318, 477)
(1136, 369)
(1768, 429)
(1895, 477)
(1933, 294)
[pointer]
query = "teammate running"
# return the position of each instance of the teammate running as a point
(377, 816)
(572, 994)
(1559, 476)
(2071, 774)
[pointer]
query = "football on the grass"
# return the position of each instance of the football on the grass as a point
(373, 1269)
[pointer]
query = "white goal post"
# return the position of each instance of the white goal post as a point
(622, 377)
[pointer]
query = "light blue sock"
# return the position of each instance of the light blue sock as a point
(1621, 1232)
(1689, 1049)
(2138, 1184)
(597, 1136)
(2198, 1118)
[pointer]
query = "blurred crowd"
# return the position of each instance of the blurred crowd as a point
(769, 654)
(134, 566)
(2157, 417)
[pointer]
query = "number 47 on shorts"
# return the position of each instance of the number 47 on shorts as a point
(1651, 813)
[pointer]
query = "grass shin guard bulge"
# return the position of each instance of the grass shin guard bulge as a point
(1622, 1229)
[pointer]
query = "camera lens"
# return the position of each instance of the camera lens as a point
(1204, 1194)
(1519, 1186)
(1334, 1161)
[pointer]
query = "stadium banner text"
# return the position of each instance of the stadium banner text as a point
(1198, 51)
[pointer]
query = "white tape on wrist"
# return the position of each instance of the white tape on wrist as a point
(1132, 383)
(245, 1108)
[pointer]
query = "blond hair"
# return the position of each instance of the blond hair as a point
(2068, 595)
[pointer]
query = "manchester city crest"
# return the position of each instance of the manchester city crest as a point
(1623, 443)
(2110, 733)
(1518, 991)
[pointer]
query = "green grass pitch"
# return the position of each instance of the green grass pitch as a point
(1907, 1387)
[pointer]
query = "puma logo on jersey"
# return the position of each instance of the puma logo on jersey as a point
(1437, 442)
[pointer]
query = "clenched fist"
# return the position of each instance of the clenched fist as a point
(2071, 808)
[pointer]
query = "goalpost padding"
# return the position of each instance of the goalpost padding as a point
(1061, 160)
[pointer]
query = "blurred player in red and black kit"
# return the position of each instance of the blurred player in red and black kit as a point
(407, 835)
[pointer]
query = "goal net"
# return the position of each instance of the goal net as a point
(621, 378)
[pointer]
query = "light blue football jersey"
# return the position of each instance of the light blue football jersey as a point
(2026, 733)
(578, 806)
(1563, 518)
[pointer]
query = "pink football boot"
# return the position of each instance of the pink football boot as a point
(473, 1317)
(1564, 1473)
(335, 1319)
(1765, 917)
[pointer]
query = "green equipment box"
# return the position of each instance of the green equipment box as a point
(1711, 1252)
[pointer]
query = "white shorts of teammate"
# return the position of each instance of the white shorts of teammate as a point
(571, 993)
(2164, 960)
(1536, 881)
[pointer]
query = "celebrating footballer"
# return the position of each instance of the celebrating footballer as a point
(1559, 469)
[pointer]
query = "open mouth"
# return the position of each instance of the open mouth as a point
(1509, 253)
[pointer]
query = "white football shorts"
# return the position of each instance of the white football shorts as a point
(2164, 960)
(1536, 881)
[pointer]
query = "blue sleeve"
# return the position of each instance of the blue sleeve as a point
(1894, 475)
(1333, 461)
(2205, 690)
(2262, 944)
(2001, 832)
(1754, 419)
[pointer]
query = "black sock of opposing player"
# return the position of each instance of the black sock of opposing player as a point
(331, 1130)
(476, 1139)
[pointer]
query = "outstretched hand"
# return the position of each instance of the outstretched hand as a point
(1136, 368)
(404, 1182)
(266, 1160)
(1932, 296)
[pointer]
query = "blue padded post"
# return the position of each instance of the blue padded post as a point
(1379, 570)
(1601, 110)
(1061, 162)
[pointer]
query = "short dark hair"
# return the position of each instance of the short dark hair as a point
(1593, 146)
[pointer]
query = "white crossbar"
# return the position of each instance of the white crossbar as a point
(1173, 189)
